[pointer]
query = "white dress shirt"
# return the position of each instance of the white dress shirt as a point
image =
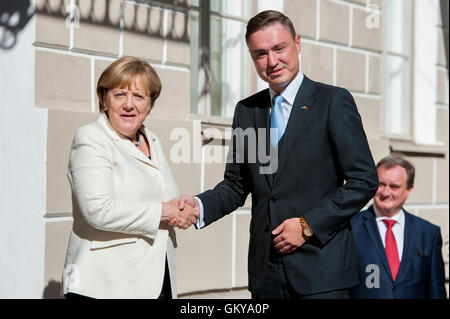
(398, 229)
(289, 94)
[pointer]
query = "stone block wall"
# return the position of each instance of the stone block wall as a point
(341, 45)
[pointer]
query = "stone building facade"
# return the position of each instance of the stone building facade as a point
(391, 55)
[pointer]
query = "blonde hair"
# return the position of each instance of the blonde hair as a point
(122, 73)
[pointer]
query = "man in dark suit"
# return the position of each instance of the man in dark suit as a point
(301, 245)
(399, 255)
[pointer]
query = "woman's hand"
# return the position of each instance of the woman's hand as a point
(181, 218)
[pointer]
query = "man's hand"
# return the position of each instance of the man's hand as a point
(181, 218)
(289, 236)
(189, 200)
(186, 217)
(186, 202)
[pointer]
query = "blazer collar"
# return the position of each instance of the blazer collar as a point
(301, 107)
(261, 113)
(374, 234)
(408, 247)
(371, 226)
(126, 145)
(303, 104)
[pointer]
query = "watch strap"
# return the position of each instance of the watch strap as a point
(306, 230)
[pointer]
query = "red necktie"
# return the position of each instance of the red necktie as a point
(391, 248)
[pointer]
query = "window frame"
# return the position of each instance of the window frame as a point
(204, 110)
(408, 83)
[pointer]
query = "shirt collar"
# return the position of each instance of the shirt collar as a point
(290, 92)
(399, 217)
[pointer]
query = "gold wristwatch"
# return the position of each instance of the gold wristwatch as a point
(306, 230)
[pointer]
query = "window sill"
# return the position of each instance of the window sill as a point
(410, 148)
(212, 120)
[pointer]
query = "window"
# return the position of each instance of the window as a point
(221, 66)
(410, 70)
(397, 74)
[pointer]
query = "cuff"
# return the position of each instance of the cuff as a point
(200, 223)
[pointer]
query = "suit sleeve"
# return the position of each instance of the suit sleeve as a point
(437, 271)
(232, 191)
(353, 159)
(91, 177)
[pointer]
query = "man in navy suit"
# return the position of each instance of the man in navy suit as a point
(399, 255)
(300, 245)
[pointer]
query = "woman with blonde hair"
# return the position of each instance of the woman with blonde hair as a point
(124, 195)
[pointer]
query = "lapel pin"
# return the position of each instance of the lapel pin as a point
(304, 107)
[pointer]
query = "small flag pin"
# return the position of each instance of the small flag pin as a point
(304, 107)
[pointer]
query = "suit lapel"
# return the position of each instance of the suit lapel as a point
(262, 121)
(407, 246)
(374, 234)
(154, 160)
(303, 104)
(126, 145)
(131, 149)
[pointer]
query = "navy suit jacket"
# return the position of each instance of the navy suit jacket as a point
(421, 274)
(324, 145)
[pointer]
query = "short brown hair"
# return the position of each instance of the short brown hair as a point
(122, 73)
(266, 18)
(393, 160)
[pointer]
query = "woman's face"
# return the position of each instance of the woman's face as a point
(127, 108)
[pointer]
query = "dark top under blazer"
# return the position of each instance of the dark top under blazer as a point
(324, 145)
(421, 274)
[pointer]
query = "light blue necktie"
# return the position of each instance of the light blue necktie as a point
(277, 121)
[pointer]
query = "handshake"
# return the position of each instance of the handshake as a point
(181, 212)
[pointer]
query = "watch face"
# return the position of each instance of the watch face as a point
(307, 232)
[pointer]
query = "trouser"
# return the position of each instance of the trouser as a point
(277, 286)
(166, 291)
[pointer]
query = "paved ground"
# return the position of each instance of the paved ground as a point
(242, 293)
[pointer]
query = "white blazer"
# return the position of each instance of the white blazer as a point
(117, 248)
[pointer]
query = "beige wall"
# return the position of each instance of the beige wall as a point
(337, 48)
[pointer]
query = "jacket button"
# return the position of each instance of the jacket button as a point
(273, 199)
(266, 229)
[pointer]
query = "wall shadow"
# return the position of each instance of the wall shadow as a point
(14, 16)
(52, 290)
(143, 17)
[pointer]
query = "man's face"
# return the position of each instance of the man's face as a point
(275, 55)
(392, 191)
